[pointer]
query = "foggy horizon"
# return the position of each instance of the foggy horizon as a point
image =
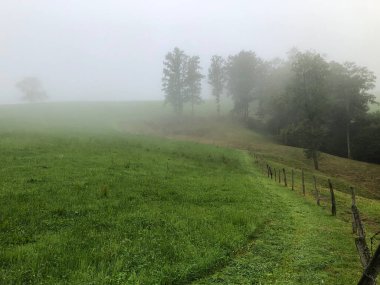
(114, 50)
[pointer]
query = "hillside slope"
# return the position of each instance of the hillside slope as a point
(115, 209)
(154, 210)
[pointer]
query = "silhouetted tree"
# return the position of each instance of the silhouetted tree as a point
(193, 84)
(217, 78)
(349, 86)
(309, 101)
(243, 76)
(32, 89)
(173, 80)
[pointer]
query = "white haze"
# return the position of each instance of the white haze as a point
(113, 50)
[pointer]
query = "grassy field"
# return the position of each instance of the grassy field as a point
(90, 196)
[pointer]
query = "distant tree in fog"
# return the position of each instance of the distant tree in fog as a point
(217, 78)
(243, 77)
(32, 89)
(193, 79)
(173, 80)
(349, 85)
(308, 102)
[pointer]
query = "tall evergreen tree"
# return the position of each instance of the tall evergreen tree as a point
(217, 78)
(173, 80)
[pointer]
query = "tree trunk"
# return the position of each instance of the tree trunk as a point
(218, 105)
(315, 160)
(333, 203)
(303, 183)
(292, 179)
(317, 191)
(348, 140)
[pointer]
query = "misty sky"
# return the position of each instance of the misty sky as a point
(113, 50)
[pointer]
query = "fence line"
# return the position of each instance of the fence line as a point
(370, 264)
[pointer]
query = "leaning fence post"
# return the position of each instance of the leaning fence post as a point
(360, 241)
(292, 179)
(354, 223)
(333, 204)
(372, 270)
(363, 250)
(317, 191)
(303, 183)
(358, 228)
(285, 182)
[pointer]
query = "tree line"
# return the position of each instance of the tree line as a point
(303, 100)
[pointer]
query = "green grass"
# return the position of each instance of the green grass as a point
(116, 209)
(98, 209)
(83, 202)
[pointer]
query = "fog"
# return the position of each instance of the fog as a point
(93, 50)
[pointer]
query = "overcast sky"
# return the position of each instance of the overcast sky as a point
(113, 50)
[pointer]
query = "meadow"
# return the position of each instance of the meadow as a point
(116, 193)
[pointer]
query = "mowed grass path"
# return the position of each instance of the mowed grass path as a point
(117, 209)
(299, 244)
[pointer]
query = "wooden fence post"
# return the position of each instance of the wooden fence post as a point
(292, 179)
(270, 172)
(358, 228)
(333, 204)
(359, 224)
(361, 243)
(364, 253)
(275, 174)
(285, 182)
(279, 176)
(303, 183)
(353, 195)
(354, 224)
(372, 270)
(317, 191)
